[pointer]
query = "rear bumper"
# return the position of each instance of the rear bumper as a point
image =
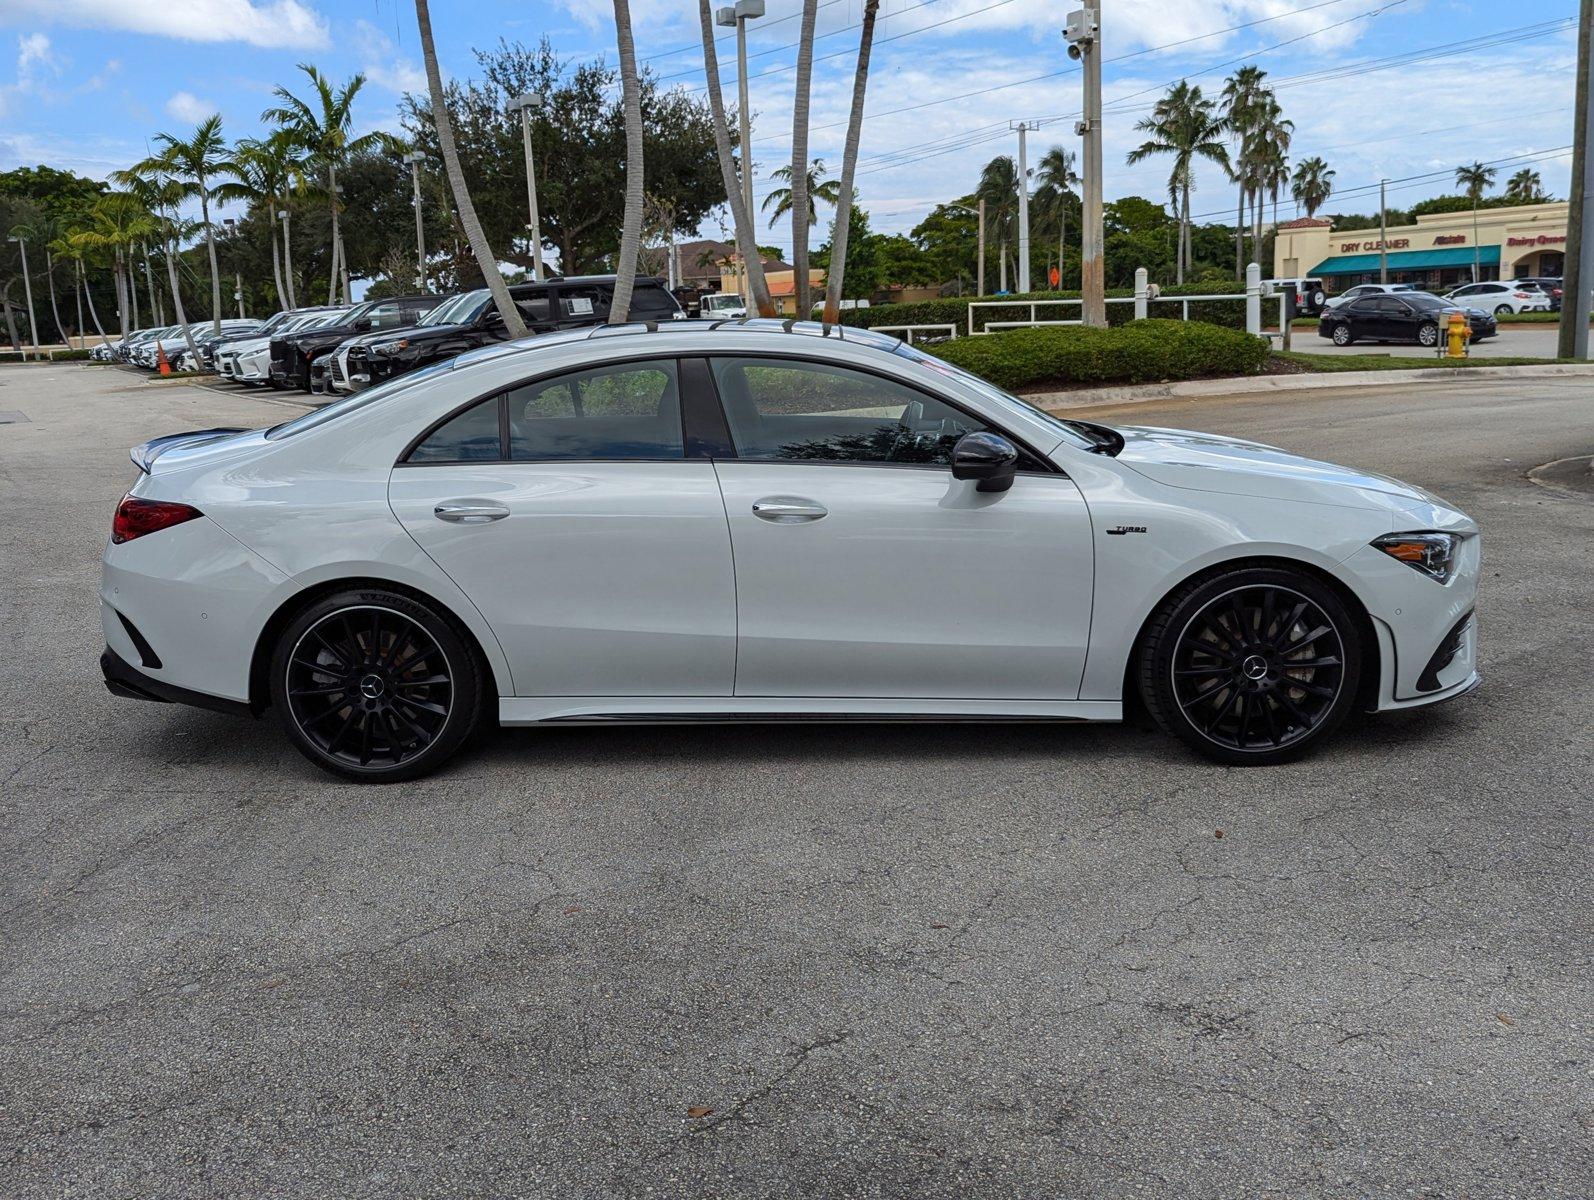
(125, 680)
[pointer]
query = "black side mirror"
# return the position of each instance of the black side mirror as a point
(987, 457)
(363, 325)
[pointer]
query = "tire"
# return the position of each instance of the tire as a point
(1251, 666)
(1342, 335)
(1317, 298)
(1501, 310)
(375, 686)
(1427, 334)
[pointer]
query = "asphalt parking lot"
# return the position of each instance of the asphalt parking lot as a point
(1513, 341)
(921, 961)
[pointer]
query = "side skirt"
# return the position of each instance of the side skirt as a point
(640, 710)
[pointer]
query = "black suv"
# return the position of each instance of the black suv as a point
(471, 320)
(293, 353)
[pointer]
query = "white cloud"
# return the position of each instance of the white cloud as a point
(383, 64)
(265, 23)
(34, 48)
(186, 106)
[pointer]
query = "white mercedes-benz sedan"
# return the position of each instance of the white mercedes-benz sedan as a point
(713, 521)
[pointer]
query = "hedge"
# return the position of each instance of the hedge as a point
(954, 310)
(1141, 352)
(11, 356)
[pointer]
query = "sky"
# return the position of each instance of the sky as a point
(1398, 89)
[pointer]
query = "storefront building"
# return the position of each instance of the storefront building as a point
(1440, 251)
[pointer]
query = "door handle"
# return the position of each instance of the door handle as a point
(469, 512)
(788, 510)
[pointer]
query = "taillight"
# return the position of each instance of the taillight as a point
(1520, 295)
(136, 516)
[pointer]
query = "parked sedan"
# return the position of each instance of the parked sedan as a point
(1363, 290)
(767, 521)
(1500, 298)
(1408, 317)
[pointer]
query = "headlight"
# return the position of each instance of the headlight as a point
(386, 349)
(1434, 554)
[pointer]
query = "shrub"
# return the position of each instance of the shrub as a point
(954, 310)
(1140, 352)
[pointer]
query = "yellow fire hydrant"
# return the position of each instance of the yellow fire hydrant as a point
(1457, 334)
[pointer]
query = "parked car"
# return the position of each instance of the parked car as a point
(1407, 317)
(722, 305)
(1500, 298)
(273, 324)
(1368, 289)
(473, 320)
(1550, 285)
(293, 353)
(765, 520)
(125, 349)
(249, 361)
(1311, 295)
(205, 336)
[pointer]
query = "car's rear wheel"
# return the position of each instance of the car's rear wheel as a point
(1342, 335)
(1427, 334)
(1251, 666)
(375, 686)
(1501, 309)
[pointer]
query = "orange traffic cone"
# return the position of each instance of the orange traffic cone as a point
(160, 359)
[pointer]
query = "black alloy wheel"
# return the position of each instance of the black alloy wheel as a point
(1252, 667)
(375, 686)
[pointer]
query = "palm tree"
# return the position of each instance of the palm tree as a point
(1054, 181)
(117, 222)
(194, 163)
(813, 185)
(741, 219)
(1186, 125)
(1312, 184)
(1269, 167)
(159, 183)
(1241, 95)
(44, 231)
(631, 227)
(322, 128)
(1525, 187)
(65, 248)
(443, 123)
(263, 171)
(998, 187)
(798, 195)
(1475, 179)
(849, 166)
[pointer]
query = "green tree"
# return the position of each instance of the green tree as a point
(1054, 196)
(1474, 179)
(1312, 184)
(1525, 187)
(1242, 96)
(193, 163)
(323, 127)
(998, 187)
(117, 222)
(948, 240)
(816, 187)
(1186, 125)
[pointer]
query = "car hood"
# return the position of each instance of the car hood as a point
(1205, 462)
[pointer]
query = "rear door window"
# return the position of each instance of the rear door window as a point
(626, 411)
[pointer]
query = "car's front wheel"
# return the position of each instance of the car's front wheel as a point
(1342, 335)
(1251, 666)
(375, 686)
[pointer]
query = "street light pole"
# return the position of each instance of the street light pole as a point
(743, 12)
(1084, 44)
(287, 257)
(525, 105)
(237, 276)
(979, 282)
(1023, 205)
(1383, 234)
(1578, 266)
(415, 158)
(27, 286)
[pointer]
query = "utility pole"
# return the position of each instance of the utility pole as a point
(287, 257)
(1383, 234)
(738, 15)
(979, 283)
(27, 286)
(1578, 271)
(1084, 44)
(1023, 204)
(415, 158)
(525, 105)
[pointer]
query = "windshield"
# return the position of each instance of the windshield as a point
(1424, 300)
(715, 303)
(460, 310)
(356, 401)
(1067, 429)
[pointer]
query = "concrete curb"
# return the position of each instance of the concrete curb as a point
(1261, 384)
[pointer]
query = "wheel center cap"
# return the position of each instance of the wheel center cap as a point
(1254, 667)
(372, 687)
